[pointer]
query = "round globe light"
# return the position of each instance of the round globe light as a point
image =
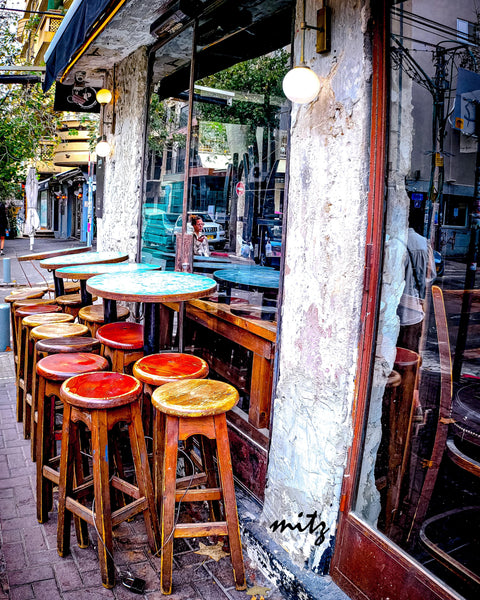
(102, 149)
(301, 85)
(104, 96)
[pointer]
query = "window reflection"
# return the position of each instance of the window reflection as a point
(420, 477)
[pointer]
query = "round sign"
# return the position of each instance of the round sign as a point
(240, 188)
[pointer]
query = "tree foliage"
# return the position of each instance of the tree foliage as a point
(26, 116)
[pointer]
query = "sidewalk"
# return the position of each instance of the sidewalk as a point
(30, 568)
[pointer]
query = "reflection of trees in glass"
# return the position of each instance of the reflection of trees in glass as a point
(164, 123)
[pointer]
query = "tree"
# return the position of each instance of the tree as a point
(26, 116)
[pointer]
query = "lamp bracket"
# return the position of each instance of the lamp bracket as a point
(322, 29)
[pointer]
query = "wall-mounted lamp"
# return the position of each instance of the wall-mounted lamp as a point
(104, 96)
(301, 84)
(102, 148)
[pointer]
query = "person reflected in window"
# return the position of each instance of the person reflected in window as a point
(419, 274)
(200, 242)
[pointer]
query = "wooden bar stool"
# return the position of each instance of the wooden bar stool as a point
(93, 316)
(28, 323)
(122, 344)
(100, 401)
(183, 409)
(20, 313)
(14, 304)
(71, 303)
(155, 370)
(52, 371)
(69, 287)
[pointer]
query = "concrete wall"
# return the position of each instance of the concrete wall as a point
(117, 230)
(327, 216)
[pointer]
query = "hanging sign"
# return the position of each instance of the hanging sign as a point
(76, 98)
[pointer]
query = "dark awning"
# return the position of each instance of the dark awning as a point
(75, 29)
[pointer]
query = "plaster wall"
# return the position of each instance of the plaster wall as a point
(117, 229)
(320, 323)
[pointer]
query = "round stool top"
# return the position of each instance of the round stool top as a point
(100, 390)
(31, 302)
(69, 299)
(25, 294)
(59, 345)
(26, 311)
(68, 286)
(195, 398)
(62, 366)
(42, 319)
(158, 369)
(95, 314)
(123, 336)
(53, 330)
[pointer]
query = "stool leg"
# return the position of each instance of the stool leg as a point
(209, 468)
(144, 479)
(226, 480)
(101, 485)
(20, 374)
(168, 504)
(44, 452)
(158, 456)
(27, 384)
(34, 409)
(65, 485)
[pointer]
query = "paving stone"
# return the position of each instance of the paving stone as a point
(67, 575)
(14, 556)
(89, 594)
(22, 592)
(30, 575)
(211, 590)
(187, 592)
(47, 590)
(8, 508)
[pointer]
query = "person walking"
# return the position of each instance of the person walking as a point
(3, 226)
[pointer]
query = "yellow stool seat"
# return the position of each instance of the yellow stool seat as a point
(52, 330)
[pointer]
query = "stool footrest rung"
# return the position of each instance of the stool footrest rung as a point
(132, 509)
(80, 510)
(125, 487)
(187, 530)
(191, 481)
(198, 495)
(51, 474)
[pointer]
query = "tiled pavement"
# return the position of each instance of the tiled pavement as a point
(30, 567)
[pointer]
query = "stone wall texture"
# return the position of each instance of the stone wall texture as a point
(320, 322)
(118, 229)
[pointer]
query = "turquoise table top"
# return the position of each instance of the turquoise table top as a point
(151, 286)
(87, 271)
(258, 278)
(82, 259)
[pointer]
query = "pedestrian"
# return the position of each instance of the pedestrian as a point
(200, 242)
(3, 226)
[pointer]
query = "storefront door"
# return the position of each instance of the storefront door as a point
(410, 526)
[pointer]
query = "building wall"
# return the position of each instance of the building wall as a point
(117, 229)
(320, 323)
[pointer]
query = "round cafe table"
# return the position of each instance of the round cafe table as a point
(152, 288)
(84, 258)
(84, 272)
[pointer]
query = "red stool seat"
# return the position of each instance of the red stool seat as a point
(158, 369)
(102, 390)
(123, 336)
(58, 367)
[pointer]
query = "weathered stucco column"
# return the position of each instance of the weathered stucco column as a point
(320, 323)
(117, 229)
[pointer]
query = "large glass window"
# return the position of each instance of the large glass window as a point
(223, 171)
(420, 478)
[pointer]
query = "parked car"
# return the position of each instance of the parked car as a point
(158, 231)
(214, 231)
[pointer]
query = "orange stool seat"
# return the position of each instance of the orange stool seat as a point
(71, 303)
(122, 343)
(158, 369)
(100, 401)
(52, 330)
(93, 316)
(25, 293)
(59, 367)
(183, 409)
(52, 371)
(17, 303)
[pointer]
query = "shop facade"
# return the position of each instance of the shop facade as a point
(339, 438)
